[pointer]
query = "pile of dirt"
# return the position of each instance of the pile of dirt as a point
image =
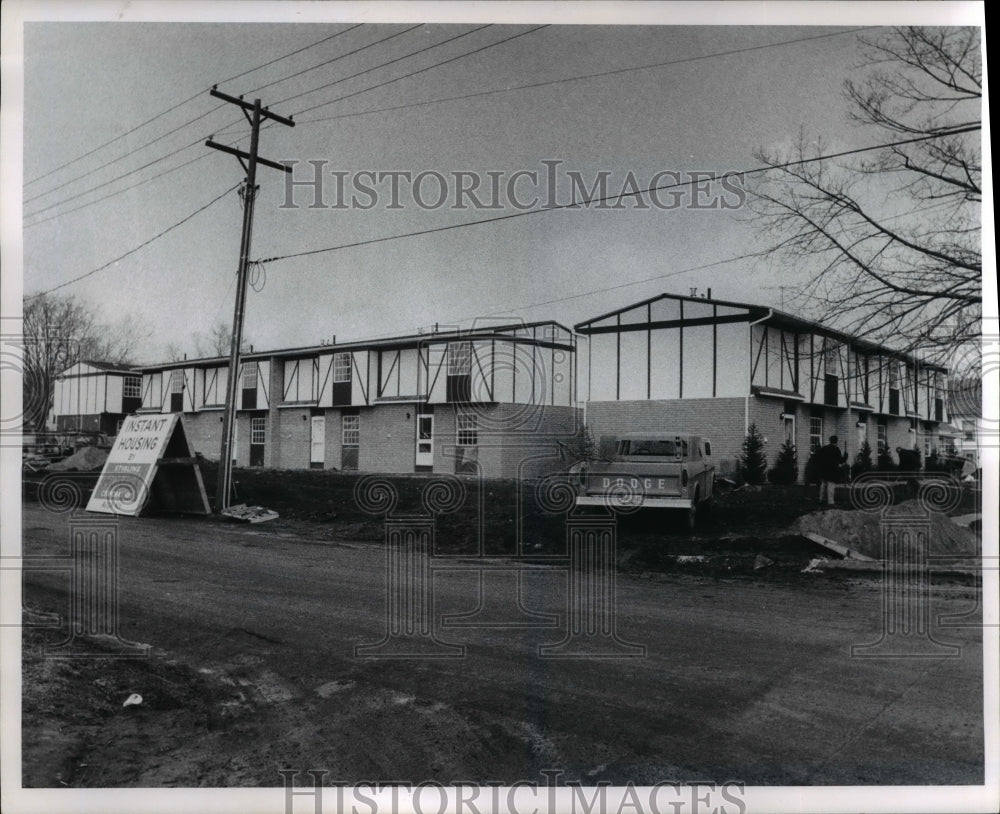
(85, 459)
(862, 531)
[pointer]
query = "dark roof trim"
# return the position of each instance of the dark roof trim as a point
(757, 312)
(501, 332)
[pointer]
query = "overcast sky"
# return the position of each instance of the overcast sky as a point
(730, 92)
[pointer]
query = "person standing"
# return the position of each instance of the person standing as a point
(829, 460)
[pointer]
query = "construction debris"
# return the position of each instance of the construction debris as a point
(85, 459)
(861, 531)
(837, 548)
(249, 514)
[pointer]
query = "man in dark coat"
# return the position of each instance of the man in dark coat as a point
(829, 459)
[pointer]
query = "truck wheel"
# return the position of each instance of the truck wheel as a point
(692, 513)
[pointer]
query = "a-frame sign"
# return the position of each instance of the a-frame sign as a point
(150, 467)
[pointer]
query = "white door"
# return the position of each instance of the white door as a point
(425, 440)
(317, 441)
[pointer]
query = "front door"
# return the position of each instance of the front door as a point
(425, 439)
(317, 442)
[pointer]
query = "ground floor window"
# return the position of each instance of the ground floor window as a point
(467, 430)
(258, 434)
(350, 440)
(351, 430)
(883, 437)
(815, 433)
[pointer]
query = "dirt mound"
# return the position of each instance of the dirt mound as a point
(862, 531)
(84, 459)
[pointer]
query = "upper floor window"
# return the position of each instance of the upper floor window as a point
(249, 375)
(459, 358)
(341, 368)
(132, 387)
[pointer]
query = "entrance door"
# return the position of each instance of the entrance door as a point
(425, 439)
(317, 442)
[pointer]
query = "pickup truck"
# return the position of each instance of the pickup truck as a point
(668, 470)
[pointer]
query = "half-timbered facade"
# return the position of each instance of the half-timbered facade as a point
(713, 367)
(495, 400)
(95, 397)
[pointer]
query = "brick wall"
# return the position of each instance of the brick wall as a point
(204, 432)
(388, 438)
(720, 420)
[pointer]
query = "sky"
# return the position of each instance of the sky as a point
(728, 92)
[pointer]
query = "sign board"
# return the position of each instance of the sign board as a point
(150, 459)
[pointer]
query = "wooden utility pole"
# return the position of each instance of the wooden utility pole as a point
(249, 161)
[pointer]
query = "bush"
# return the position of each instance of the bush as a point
(885, 461)
(752, 460)
(581, 447)
(786, 465)
(863, 461)
(909, 459)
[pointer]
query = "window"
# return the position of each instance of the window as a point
(815, 433)
(468, 430)
(459, 358)
(350, 430)
(258, 428)
(883, 437)
(341, 368)
(132, 387)
(248, 400)
(250, 375)
(177, 391)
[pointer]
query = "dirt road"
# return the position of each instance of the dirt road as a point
(253, 669)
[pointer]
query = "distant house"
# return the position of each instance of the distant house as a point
(713, 367)
(966, 416)
(496, 400)
(95, 397)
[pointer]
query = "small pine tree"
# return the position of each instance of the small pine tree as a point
(753, 462)
(885, 461)
(786, 465)
(863, 462)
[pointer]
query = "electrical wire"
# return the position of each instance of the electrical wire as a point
(423, 70)
(331, 61)
(614, 72)
(383, 65)
(183, 102)
(134, 250)
(619, 196)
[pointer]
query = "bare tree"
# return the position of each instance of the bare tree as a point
(892, 236)
(216, 342)
(58, 333)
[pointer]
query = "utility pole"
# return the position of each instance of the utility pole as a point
(249, 161)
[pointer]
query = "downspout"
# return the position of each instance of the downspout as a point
(746, 398)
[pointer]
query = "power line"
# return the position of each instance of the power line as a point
(137, 248)
(332, 60)
(192, 121)
(386, 64)
(183, 102)
(168, 155)
(423, 70)
(139, 183)
(619, 196)
(581, 78)
(113, 180)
